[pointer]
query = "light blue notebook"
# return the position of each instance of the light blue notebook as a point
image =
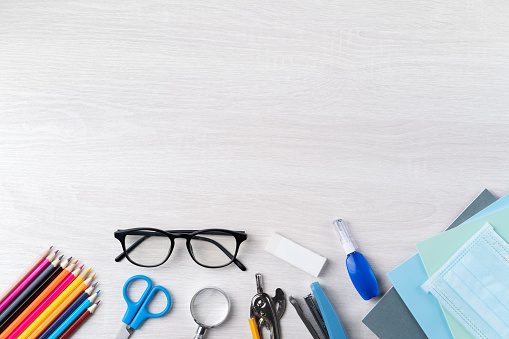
(408, 277)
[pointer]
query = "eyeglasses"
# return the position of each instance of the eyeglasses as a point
(151, 247)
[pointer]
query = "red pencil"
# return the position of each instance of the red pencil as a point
(78, 321)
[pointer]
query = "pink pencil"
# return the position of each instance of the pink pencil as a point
(56, 292)
(42, 265)
(23, 274)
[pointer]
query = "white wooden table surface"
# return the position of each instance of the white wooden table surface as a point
(260, 116)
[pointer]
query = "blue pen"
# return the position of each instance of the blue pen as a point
(77, 312)
(360, 272)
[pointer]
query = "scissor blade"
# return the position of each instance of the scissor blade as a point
(124, 332)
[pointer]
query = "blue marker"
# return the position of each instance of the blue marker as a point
(360, 272)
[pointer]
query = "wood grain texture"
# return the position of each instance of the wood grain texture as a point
(263, 116)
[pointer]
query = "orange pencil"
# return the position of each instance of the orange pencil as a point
(34, 320)
(44, 294)
(56, 307)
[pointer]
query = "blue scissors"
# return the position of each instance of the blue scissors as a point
(137, 312)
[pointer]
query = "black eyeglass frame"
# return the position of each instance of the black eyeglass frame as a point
(240, 236)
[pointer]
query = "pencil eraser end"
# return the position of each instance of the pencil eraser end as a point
(295, 254)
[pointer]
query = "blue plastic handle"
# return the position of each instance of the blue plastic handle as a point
(143, 313)
(332, 322)
(133, 307)
(137, 312)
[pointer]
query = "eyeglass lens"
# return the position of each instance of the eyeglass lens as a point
(215, 249)
(148, 248)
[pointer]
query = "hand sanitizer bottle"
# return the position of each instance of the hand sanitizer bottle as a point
(360, 272)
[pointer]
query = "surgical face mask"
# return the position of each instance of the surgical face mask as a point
(472, 285)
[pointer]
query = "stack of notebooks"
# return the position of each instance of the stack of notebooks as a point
(455, 286)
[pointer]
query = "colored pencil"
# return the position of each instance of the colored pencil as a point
(23, 274)
(34, 295)
(29, 289)
(68, 311)
(64, 278)
(73, 316)
(78, 321)
(39, 305)
(59, 304)
(254, 328)
(28, 279)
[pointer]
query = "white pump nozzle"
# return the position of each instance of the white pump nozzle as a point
(346, 238)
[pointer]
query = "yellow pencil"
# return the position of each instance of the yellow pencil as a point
(60, 308)
(254, 328)
(33, 326)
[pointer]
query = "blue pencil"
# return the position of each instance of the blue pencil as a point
(68, 311)
(69, 321)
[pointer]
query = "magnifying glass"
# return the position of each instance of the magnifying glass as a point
(210, 308)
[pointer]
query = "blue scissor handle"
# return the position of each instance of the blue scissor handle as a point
(134, 307)
(137, 312)
(143, 313)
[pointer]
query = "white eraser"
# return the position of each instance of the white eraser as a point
(295, 254)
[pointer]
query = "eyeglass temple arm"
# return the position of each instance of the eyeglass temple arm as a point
(130, 248)
(225, 251)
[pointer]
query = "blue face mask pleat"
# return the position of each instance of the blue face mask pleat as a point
(486, 292)
(493, 275)
(474, 299)
(472, 285)
(457, 306)
(464, 301)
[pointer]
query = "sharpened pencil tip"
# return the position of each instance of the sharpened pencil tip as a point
(94, 284)
(61, 257)
(75, 262)
(92, 277)
(56, 251)
(97, 303)
(69, 259)
(97, 292)
(81, 267)
(88, 270)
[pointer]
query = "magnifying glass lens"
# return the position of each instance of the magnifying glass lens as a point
(209, 307)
